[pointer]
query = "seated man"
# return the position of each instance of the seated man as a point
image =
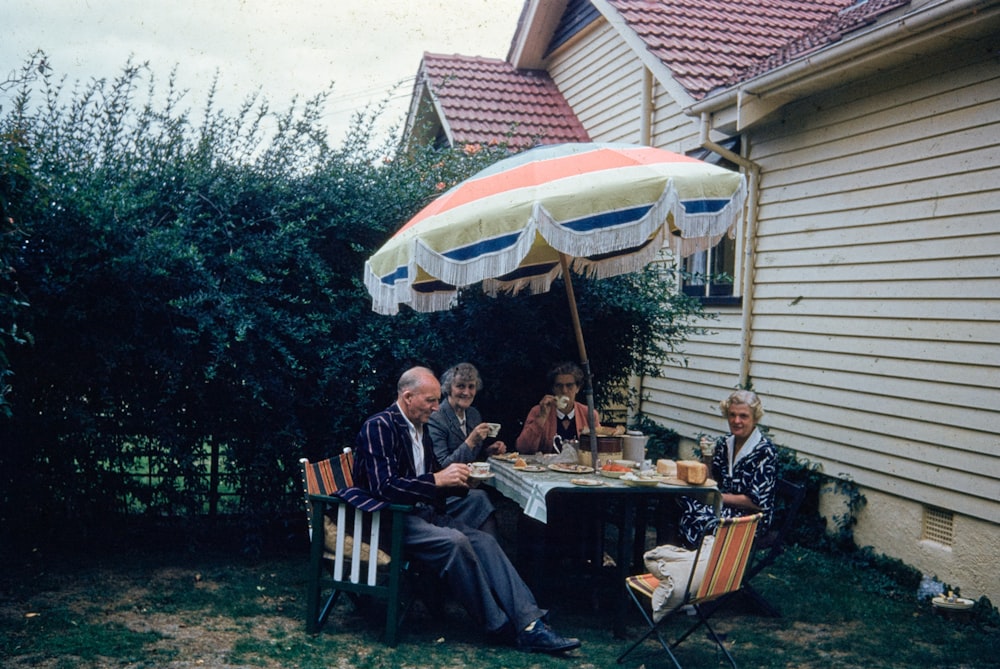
(395, 462)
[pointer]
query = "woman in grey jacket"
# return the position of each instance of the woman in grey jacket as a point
(458, 434)
(457, 430)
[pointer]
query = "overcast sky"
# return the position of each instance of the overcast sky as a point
(283, 47)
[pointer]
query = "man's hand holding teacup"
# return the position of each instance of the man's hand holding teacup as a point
(455, 475)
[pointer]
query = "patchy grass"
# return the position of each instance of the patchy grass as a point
(150, 607)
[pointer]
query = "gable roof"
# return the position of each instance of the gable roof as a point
(711, 44)
(739, 60)
(472, 100)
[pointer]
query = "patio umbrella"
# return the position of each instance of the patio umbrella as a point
(595, 209)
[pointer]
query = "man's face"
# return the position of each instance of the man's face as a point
(422, 401)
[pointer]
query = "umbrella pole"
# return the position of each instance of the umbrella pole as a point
(584, 362)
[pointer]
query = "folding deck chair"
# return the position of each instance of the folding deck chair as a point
(346, 553)
(723, 574)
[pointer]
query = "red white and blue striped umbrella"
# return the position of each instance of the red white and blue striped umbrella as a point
(599, 209)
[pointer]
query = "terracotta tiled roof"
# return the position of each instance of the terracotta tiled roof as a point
(708, 44)
(485, 99)
(828, 31)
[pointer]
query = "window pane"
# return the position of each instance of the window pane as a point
(711, 273)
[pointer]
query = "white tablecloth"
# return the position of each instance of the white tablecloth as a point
(529, 489)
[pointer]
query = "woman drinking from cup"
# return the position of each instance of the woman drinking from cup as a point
(558, 413)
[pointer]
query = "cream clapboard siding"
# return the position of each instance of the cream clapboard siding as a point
(876, 321)
(686, 398)
(672, 129)
(602, 81)
(876, 329)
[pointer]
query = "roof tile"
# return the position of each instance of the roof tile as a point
(708, 44)
(485, 99)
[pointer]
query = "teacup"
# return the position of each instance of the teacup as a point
(494, 429)
(480, 469)
(562, 403)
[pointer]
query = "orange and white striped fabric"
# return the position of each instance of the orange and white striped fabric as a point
(726, 563)
(327, 477)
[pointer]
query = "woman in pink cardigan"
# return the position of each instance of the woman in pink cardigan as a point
(557, 413)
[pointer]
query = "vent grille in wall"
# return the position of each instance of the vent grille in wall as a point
(939, 526)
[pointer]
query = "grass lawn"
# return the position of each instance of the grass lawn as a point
(191, 604)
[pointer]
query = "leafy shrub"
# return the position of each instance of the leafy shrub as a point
(197, 313)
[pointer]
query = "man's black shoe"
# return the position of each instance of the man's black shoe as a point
(542, 639)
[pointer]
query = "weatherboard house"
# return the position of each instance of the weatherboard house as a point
(865, 300)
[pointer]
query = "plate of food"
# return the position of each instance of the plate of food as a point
(567, 468)
(505, 457)
(586, 482)
(529, 468)
(613, 470)
(607, 431)
(673, 480)
(640, 481)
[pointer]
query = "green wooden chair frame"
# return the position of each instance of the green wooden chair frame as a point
(351, 565)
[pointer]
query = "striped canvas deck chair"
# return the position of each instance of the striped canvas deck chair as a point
(356, 550)
(723, 574)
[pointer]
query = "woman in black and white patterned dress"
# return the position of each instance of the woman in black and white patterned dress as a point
(745, 467)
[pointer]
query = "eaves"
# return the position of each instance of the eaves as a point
(925, 29)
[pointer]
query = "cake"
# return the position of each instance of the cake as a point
(692, 471)
(666, 468)
(519, 462)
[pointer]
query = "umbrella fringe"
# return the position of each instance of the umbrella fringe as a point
(633, 262)
(437, 301)
(462, 273)
(707, 228)
(683, 247)
(534, 285)
(384, 300)
(624, 236)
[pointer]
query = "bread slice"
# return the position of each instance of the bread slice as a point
(666, 468)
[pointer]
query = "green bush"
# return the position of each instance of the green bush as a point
(196, 300)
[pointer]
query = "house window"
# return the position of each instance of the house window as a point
(710, 275)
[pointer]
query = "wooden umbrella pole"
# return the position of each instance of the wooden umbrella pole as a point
(584, 361)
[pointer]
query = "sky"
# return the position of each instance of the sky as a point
(368, 49)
